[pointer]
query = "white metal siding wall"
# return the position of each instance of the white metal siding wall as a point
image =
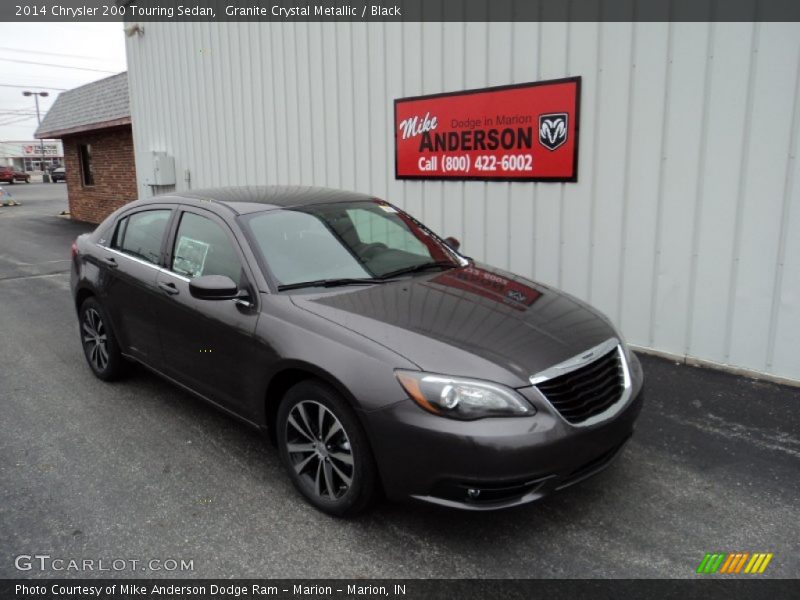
(685, 224)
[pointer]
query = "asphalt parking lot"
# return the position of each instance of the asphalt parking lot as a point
(141, 470)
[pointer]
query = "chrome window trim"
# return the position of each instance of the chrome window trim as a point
(580, 360)
(141, 261)
(174, 274)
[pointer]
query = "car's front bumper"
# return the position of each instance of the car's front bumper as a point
(495, 462)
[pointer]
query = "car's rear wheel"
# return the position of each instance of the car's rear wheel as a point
(325, 450)
(99, 343)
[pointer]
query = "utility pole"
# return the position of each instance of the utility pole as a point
(39, 120)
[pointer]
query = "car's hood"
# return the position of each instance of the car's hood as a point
(473, 321)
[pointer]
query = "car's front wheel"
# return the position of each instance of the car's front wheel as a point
(325, 450)
(99, 343)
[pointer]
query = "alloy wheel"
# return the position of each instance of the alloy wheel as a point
(319, 450)
(94, 338)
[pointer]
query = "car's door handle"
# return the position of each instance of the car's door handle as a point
(168, 288)
(110, 262)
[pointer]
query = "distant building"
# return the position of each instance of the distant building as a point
(94, 124)
(27, 155)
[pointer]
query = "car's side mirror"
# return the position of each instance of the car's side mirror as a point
(213, 287)
(452, 242)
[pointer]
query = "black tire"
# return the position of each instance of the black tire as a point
(319, 469)
(99, 343)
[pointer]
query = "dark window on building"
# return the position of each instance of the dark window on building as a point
(87, 170)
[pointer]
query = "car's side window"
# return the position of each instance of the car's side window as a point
(203, 248)
(141, 234)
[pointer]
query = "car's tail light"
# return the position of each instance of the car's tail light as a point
(74, 250)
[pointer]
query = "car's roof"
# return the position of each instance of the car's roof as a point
(246, 199)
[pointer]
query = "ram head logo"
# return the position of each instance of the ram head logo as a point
(553, 130)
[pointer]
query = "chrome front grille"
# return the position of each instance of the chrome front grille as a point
(588, 390)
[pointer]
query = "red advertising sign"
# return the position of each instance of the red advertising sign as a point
(525, 132)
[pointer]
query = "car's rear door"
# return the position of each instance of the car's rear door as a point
(208, 345)
(130, 262)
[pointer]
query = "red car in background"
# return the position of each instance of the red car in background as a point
(10, 175)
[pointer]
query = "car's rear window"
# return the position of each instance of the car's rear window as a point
(141, 234)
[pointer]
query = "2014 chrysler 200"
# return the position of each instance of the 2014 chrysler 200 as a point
(376, 356)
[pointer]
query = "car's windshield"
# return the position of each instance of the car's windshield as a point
(366, 239)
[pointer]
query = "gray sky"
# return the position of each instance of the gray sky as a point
(98, 46)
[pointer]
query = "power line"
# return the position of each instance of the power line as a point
(40, 87)
(47, 53)
(17, 120)
(41, 64)
(19, 117)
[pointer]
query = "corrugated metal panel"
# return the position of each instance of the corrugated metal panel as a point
(685, 224)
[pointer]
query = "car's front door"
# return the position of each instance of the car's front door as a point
(208, 345)
(130, 262)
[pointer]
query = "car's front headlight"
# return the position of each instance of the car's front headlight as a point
(460, 398)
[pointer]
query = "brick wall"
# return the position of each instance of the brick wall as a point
(114, 173)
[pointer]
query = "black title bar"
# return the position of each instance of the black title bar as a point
(706, 587)
(399, 10)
